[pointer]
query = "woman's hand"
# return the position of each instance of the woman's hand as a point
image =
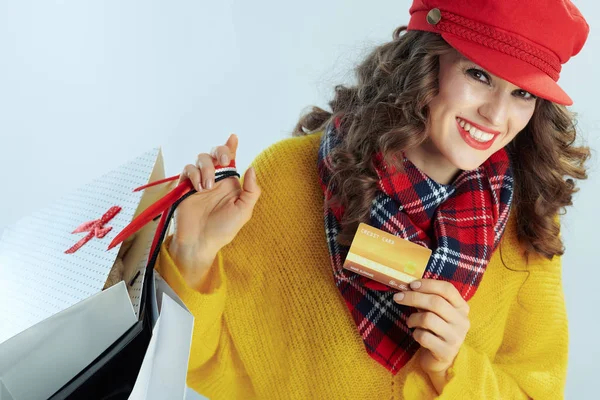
(441, 324)
(211, 218)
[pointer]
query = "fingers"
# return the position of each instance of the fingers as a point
(206, 165)
(224, 154)
(428, 302)
(192, 173)
(202, 174)
(431, 341)
(444, 289)
(250, 191)
(431, 322)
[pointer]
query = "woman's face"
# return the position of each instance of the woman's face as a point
(475, 113)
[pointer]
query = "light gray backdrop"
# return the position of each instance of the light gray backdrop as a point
(88, 85)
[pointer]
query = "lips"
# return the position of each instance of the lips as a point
(479, 127)
(474, 130)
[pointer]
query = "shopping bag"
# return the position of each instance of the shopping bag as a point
(55, 261)
(162, 373)
(37, 362)
(164, 369)
(115, 373)
(141, 357)
(39, 279)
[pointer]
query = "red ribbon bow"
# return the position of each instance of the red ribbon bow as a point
(95, 228)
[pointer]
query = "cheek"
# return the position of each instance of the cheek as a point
(453, 99)
(518, 122)
(455, 91)
(507, 138)
(436, 107)
(523, 116)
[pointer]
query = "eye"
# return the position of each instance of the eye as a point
(525, 94)
(479, 75)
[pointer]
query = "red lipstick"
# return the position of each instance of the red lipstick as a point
(474, 143)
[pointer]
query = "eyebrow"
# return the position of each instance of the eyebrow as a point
(465, 59)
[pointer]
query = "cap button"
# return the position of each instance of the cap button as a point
(434, 16)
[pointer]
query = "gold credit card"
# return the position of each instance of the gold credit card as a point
(386, 258)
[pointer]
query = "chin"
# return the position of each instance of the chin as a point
(466, 163)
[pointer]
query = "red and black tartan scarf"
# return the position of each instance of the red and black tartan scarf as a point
(462, 223)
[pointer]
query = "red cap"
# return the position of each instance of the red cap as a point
(523, 42)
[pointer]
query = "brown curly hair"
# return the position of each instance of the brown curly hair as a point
(387, 111)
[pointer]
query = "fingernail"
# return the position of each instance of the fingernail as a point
(415, 284)
(199, 186)
(208, 184)
(398, 296)
(224, 160)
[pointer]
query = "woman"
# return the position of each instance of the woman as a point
(455, 138)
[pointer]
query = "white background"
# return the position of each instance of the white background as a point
(88, 85)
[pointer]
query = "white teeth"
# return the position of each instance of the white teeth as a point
(474, 132)
(481, 136)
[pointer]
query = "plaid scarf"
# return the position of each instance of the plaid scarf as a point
(462, 223)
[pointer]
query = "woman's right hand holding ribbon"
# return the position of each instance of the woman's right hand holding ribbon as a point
(208, 220)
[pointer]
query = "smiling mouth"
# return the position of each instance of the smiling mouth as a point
(475, 133)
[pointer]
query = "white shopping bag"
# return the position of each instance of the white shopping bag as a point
(164, 369)
(40, 280)
(73, 338)
(40, 360)
(51, 300)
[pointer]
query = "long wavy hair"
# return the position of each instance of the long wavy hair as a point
(387, 111)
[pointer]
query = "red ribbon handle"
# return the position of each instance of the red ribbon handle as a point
(154, 210)
(159, 207)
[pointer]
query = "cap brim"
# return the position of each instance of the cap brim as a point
(511, 69)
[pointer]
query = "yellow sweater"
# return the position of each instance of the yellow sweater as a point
(275, 326)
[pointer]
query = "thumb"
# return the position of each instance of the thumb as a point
(250, 191)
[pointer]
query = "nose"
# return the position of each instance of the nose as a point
(495, 109)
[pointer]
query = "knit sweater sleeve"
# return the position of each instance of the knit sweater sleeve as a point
(206, 307)
(532, 359)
